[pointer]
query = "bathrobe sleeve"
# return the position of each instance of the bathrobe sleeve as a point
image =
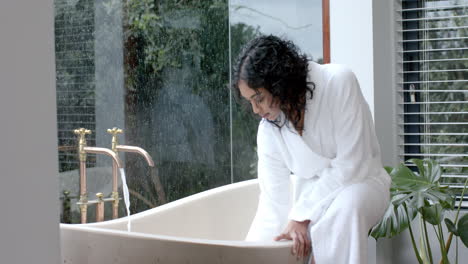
(273, 178)
(356, 145)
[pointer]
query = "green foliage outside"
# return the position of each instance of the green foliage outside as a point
(180, 50)
(441, 71)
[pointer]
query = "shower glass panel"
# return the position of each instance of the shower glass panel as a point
(160, 70)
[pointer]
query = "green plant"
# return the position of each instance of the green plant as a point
(420, 193)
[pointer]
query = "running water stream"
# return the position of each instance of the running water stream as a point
(126, 198)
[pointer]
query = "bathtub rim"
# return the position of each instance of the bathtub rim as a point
(197, 241)
(100, 227)
(174, 204)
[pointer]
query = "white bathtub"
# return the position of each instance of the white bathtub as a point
(204, 228)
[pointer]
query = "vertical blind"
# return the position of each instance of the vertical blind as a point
(432, 67)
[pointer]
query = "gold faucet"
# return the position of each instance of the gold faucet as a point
(122, 148)
(83, 149)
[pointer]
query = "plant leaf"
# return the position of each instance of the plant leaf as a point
(463, 229)
(420, 164)
(420, 187)
(428, 169)
(433, 171)
(400, 198)
(451, 226)
(433, 214)
(388, 169)
(417, 191)
(401, 173)
(394, 221)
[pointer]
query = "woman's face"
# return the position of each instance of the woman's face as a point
(262, 101)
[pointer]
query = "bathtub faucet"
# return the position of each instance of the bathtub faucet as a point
(122, 148)
(83, 150)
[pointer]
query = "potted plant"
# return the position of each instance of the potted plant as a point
(419, 194)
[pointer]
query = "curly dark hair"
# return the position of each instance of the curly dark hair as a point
(278, 66)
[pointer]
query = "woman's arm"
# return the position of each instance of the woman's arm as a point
(274, 204)
(273, 178)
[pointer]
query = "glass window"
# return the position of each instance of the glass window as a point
(434, 107)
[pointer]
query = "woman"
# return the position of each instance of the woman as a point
(316, 131)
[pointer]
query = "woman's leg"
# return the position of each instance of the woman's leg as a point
(340, 236)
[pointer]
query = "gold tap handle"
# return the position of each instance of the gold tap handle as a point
(82, 132)
(114, 131)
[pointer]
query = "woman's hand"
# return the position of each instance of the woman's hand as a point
(297, 231)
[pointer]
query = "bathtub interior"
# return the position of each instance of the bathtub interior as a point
(223, 213)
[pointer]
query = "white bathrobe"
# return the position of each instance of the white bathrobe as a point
(335, 169)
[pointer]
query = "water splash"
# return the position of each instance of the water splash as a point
(126, 198)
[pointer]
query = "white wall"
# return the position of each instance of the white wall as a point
(29, 229)
(385, 116)
(351, 41)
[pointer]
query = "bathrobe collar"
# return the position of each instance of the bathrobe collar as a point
(302, 160)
